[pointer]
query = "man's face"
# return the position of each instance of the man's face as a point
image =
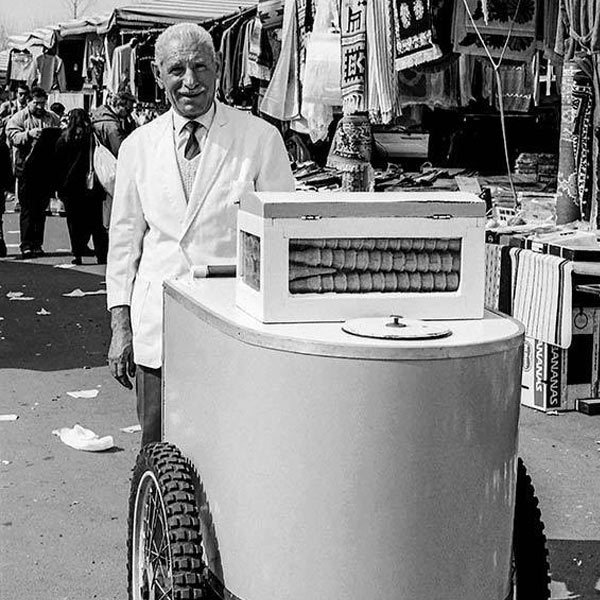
(22, 97)
(37, 106)
(189, 77)
(124, 108)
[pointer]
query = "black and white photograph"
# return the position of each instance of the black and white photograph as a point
(299, 299)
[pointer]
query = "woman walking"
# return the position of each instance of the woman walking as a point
(79, 189)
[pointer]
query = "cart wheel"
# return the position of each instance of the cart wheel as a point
(172, 547)
(530, 577)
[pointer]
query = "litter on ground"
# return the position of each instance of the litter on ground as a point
(83, 394)
(43, 312)
(9, 417)
(132, 429)
(65, 266)
(78, 293)
(80, 438)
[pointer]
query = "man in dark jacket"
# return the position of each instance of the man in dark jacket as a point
(112, 122)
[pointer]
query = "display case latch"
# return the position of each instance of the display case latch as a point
(441, 217)
(310, 217)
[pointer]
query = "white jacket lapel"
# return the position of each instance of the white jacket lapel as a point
(167, 163)
(214, 153)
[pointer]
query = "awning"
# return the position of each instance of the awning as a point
(158, 13)
(44, 37)
(83, 25)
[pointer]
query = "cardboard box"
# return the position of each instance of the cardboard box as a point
(555, 378)
(588, 406)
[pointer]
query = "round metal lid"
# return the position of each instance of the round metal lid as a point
(398, 328)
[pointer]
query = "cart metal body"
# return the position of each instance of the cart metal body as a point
(342, 467)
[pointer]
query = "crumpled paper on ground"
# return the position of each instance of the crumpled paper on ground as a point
(18, 296)
(80, 438)
(84, 394)
(78, 293)
(132, 429)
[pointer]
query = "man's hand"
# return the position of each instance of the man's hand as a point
(35, 133)
(120, 353)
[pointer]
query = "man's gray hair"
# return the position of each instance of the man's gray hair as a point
(184, 32)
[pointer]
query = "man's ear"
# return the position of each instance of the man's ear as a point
(156, 72)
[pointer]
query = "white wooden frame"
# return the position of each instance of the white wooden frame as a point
(275, 304)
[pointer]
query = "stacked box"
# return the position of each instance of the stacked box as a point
(555, 378)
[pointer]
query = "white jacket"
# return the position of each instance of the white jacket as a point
(155, 235)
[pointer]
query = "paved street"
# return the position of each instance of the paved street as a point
(64, 512)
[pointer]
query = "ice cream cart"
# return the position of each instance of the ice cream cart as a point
(373, 457)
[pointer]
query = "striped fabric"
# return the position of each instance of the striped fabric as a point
(542, 296)
(381, 85)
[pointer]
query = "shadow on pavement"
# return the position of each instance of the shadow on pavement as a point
(575, 567)
(74, 335)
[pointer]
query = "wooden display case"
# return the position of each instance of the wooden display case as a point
(333, 256)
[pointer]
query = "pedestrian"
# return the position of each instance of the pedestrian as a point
(78, 188)
(178, 179)
(113, 123)
(8, 108)
(60, 111)
(26, 132)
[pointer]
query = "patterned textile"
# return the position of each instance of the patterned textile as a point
(583, 109)
(353, 23)
(382, 82)
(414, 34)
(542, 296)
(566, 204)
(270, 13)
(492, 275)
(522, 43)
(575, 170)
(351, 146)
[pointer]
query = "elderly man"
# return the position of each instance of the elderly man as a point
(25, 131)
(178, 178)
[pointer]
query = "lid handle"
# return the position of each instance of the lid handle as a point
(396, 321)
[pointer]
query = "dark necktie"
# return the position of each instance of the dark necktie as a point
(192, 146)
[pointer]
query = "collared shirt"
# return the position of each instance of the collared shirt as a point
(182, 134)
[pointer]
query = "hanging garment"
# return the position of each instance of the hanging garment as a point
(582, 139)
(230, 75)
(321, 85)
(282, 98)
(145, 82)
(522, 42)
(50, 72)
(22, 67)
(382, 82)
(260, 56)
(354, 56)
(517, 87)
(578, 27)
(120, 72)
(414, 33)
(575, 169)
